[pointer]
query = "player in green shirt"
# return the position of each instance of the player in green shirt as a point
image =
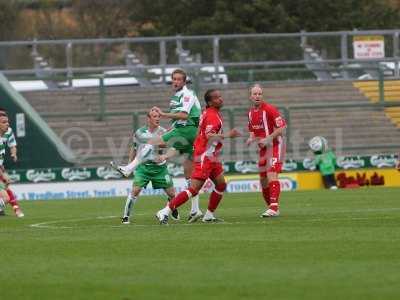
(185, 111)
(149, 168)
(7, 139)
(325, 161)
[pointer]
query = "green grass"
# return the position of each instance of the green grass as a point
(326, 245)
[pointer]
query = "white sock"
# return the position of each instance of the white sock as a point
(194, 200)
(166, 210)
(195, 204)
(2, 204)
(130, 202)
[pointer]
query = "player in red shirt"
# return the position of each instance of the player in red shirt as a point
(266, 127)
(206, 163)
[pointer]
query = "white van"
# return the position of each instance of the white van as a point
(156, 76)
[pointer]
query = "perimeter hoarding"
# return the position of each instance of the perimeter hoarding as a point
(291, 181)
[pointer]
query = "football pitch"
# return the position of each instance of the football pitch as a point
(325, 245)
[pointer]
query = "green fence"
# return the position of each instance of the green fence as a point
(231, 114)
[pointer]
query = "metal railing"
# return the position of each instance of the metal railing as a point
(212, 50)
(233, 113)
(197, 83)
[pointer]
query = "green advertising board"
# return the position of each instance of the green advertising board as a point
(69, 174)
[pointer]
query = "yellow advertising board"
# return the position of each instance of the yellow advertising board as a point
(308, 180)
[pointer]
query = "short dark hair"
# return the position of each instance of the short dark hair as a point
(208, 97)
(3, 112)
(179, 71)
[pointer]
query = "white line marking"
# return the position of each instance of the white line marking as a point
(282, 219)
(51, 224)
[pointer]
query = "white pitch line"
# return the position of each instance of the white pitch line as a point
(106, 217)
(48, 224)
(281, 220)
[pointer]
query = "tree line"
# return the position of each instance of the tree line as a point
(50, 19)
(65, 19)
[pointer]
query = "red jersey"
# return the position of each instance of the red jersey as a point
(210, 122)
(264, 119)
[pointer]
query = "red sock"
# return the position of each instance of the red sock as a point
(265, 192)
(214, 200)
(274, 192)
(216, 196)
(12, 199)
(181, 198)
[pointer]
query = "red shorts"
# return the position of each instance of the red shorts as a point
(208, 168)
(270, 160)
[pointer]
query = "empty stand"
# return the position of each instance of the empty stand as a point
(350, 127)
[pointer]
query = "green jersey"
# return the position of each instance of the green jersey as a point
(141, 138)
(2, 151)
(7, 139)
(326, 162)
(185, 100)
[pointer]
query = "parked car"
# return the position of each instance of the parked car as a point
(109, 80)
(207, 75)
(29, 85)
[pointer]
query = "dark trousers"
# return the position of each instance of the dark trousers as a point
(329, 180)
